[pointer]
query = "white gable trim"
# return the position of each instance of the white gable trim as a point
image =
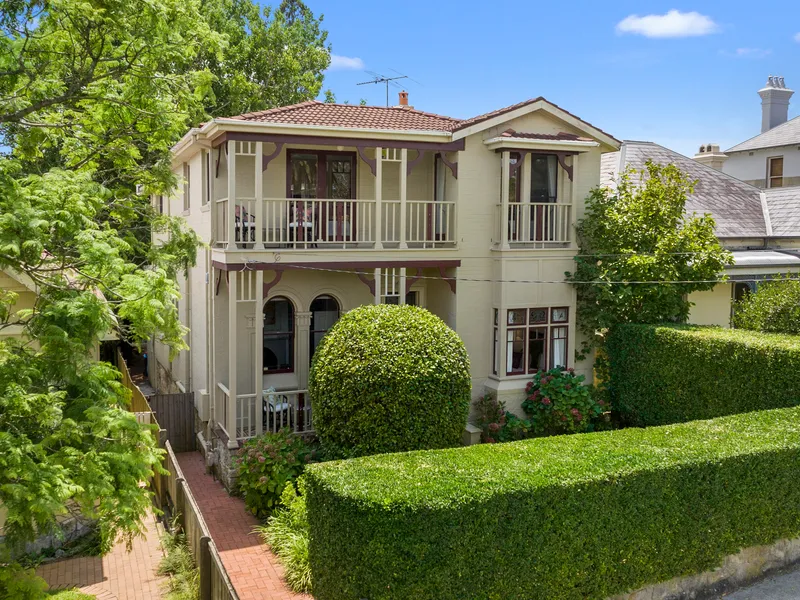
(533, 107)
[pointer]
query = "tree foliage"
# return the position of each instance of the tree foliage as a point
(773, 308)
(93, 94)
(641, 254)
(272, 58)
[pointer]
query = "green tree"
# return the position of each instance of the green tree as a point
(93, 94)
(773, 308)
(272, 58)
(641, 254)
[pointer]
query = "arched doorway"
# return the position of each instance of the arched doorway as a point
(324, 313)
(278, 335)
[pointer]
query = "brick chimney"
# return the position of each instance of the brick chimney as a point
(774, 103)
(403, 98)
(710, 156)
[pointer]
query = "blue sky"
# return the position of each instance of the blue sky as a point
(676, 73)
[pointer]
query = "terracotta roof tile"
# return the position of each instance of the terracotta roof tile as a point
(555, 137)
(352, 115)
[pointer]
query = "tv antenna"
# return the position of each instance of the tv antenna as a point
(378, 78)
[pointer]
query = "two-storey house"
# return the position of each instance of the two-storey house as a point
(313, 209)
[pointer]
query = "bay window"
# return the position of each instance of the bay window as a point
(536, 340)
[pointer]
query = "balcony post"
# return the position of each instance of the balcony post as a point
(233, 329)
(402, 285)
(259, 189)
(378, 199)
(573, 216)
(505, 166)
(231, 194)
(377, 285)
(403, 196)
(259, 345)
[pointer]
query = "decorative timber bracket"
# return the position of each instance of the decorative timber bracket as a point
(451, 281)
(267, 158)
(453, 166)
(271, 284)
(522, 152)
(370, 283)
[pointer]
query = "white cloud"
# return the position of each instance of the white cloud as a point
(345, 63)
(748, 53)
(797, 37)
(674, 24)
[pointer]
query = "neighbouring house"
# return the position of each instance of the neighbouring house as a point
(771, 159)
(760, 228)
(313, 209)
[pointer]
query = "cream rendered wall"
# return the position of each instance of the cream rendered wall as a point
(478, 196)
(712, 307)
(754, 168)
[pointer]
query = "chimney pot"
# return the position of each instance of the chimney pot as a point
(403, 101)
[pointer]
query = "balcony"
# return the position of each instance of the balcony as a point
(289, 223)
(267, 412)
(536, 225)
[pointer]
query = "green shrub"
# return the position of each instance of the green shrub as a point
(557, 401)
(287, 532)
(672, 374)
(565, 517)
(389, 378)
(265, 465)
(773, 308)
(179, 564)
(19, 582)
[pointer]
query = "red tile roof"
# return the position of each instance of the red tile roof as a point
(555, 137)
(323, 114)
(352, 115)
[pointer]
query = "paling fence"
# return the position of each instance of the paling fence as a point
(173, 496)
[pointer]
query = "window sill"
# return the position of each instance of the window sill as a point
(205, 207)
(186, 212)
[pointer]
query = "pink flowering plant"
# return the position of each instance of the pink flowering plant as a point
(266, 465)
(557, 401)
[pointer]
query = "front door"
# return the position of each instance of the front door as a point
(327, 181)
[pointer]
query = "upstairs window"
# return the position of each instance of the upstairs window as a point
(205, 171)
(775, 172)
(544, 178)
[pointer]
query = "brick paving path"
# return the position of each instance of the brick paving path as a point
(254, 571)
(119, 575)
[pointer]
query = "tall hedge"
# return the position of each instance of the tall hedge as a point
(390, 378)
(672, 374)
(567, 517)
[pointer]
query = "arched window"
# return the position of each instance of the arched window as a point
(279, 336)
(324, 313)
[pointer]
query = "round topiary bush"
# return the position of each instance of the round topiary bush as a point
(387, 379)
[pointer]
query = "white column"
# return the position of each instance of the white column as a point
(259, 347)
(403, 196)
(378, 198)
(233, 330)
(402, 284)
(212, 202)
(377, 285)
(525, 173)
(573, 217)
(231, 194)
(505, 163)
(259, 188)
(211, 346)
(303, 349)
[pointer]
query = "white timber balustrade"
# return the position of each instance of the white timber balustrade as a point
(538, 223)
(270, 411)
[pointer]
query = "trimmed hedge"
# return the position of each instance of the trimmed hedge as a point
(567, 517)
(390, 378)
(672, 374)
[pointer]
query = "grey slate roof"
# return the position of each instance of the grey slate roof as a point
(783, 206)
(735, 205)
(787, 134)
